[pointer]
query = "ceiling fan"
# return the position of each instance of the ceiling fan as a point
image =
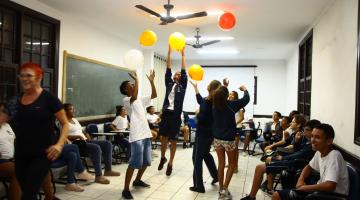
(169, 19)
(197, 44)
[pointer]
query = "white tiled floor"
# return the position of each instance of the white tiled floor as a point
(174, 187)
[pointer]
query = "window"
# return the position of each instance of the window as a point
(26, 35)
(304, 79)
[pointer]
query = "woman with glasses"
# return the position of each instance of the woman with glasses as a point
(32, 115)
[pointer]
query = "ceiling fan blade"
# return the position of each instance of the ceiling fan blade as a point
(163, 23)
(210, 42)
(141, 7)
(188, 44)
(198, 14)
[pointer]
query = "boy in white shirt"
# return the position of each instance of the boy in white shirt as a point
(329, 163)
(140, 133)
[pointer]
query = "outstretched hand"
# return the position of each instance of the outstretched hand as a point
(151, 75)
(243, 88)
(133, 75)
(226, 82)
(194, 84)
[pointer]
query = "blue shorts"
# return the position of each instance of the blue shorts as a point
(140, 153)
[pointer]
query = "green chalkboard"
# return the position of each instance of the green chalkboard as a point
(92, 86)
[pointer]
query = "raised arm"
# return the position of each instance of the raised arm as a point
(134, 94)
(168, 73)
(183, 77)
(199, 98)
(168, 65)
(241, 103)
(151, 77)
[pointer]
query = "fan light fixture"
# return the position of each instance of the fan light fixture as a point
(166, 19)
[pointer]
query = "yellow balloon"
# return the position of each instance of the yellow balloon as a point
(177, 41)
(148, 38)
(196, 72)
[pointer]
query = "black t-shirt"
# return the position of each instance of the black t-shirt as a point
(33, 124)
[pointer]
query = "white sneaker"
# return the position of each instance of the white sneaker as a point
(244, 154)
(221, 194)
(227, 194)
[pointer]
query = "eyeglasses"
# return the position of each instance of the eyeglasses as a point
(26, 75)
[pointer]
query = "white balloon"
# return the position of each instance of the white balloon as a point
(134, 59)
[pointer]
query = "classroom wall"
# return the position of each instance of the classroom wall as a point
(76, 37)
(271, 82)
(334, 71)
(292, 81)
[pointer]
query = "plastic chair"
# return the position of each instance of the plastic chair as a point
(257, 132)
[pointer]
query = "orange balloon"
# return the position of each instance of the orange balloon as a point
(196, 72)
(227, 21)
(148, 38)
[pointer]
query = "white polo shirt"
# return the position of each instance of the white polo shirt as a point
(332, 167)
(139, 126)
(7, 137)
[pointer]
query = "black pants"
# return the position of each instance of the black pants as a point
(201, 152)
(30, 173)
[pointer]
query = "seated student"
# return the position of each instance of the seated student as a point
(305, 152)
(269, 137)
(95, 148)
(154, 121)
(71, 155)
(7, 167)
(273, 130)
(184, 128)
(296, 125)
(121, 121)
(329, 163)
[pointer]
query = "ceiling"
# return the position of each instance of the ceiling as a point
(265, 29)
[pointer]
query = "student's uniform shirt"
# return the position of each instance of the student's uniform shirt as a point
(152, 118)
(332, 167)
(121, 123)
(171, 98)
(75, 129)
(7, 137)
(273, 126)
(139, 126)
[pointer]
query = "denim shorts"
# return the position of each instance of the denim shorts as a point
(140, 153)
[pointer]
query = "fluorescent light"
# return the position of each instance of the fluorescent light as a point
(37, 43)
(210, 38)
(218, 51)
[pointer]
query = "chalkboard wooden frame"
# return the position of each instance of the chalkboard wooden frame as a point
(92, 62)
